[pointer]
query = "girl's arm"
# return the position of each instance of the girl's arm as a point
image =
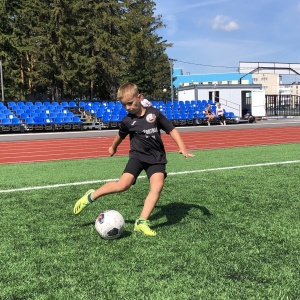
(178, 140)
(113, 148)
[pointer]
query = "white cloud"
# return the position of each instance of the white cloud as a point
(224, 23)
(204, 3)
(172, 27)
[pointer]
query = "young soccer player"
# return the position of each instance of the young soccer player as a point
(147, 152)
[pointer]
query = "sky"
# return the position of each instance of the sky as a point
(213, 36)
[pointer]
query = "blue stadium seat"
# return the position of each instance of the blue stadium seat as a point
(38, 111)
(65, 104)
(29, 123)
(68, 123)
(39, 123)
(5, 121)
(58, 123)
(44, 115)
(77, 123)
(10, 116)
(231, 115)
(52, 115)
(7, 112)
(72, 104)
(204, 103)
(5, 124)
(43, 107)
(19, 112)
(11, 104)
(16, 124)
(48, 124)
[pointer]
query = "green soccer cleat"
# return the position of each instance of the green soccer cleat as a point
(143, 226)
(82, 202)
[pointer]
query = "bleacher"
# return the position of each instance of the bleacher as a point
(19, 116)
(107, 115)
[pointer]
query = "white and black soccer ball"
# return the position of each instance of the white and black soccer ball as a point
(110, 224)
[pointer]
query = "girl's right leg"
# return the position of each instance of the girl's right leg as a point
(123, 184)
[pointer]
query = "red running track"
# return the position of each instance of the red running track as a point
(80, 148)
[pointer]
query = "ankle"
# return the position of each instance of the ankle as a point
(90, 198)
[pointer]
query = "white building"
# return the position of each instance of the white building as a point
(238, 98)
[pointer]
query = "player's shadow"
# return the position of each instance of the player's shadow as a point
(177, 211)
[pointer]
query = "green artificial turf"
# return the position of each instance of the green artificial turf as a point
(222, 233)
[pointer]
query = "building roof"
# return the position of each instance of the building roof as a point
(180, 79)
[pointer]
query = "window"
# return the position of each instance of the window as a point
(212, 94)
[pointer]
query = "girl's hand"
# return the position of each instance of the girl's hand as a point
(111, 151)
(186, 154)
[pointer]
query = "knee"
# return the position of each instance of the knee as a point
(123, 186)
(156, 188)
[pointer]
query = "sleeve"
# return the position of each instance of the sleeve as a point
(123, 130)
(164, 123)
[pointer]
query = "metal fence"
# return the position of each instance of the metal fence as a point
(282, 105)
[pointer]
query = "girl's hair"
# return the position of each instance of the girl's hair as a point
(127, 88)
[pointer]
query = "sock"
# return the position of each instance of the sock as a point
(141, 220)
(90, 198)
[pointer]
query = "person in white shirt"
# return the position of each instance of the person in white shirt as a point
(146, 103)
(220, 114)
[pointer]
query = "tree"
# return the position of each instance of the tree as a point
(82, 48)
(144, 51)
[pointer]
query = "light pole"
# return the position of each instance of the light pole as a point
(171, 74)
(2, 87)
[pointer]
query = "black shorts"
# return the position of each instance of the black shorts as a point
(135, 167)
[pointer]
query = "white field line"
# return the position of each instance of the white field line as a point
(169, 174)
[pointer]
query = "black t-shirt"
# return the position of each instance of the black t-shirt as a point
(145, 140)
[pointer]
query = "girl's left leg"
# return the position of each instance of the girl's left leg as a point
(156, 185)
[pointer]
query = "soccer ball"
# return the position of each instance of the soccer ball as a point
(110, 224)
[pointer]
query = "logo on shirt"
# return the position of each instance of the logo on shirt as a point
(150, 118)
(133, 123)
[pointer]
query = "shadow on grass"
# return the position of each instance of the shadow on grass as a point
(175, 212)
